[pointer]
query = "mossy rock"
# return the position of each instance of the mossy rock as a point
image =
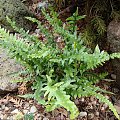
(16, 11)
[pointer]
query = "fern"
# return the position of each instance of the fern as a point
(55, 92)
(99, 25)
(58, 75)
(105, 100)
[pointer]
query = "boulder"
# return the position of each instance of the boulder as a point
(113, 38)
(16, 11)
(8, 66)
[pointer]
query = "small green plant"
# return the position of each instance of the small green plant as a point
(29, 116)
(72, 21)
(59, 75)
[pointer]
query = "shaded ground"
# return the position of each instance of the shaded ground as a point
(15, 108)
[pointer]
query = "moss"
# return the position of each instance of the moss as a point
(17, 11)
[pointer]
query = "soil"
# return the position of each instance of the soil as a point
(13, 107)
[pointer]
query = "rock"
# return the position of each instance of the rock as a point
(113, 76)
(81, 100)
(107, 96)
(16, 11)
(15, 111)
(76, 101)
(5, 117)
(105, 106)
(118, 102)
(113, 38)
(27, 105)
(25, 111)
(97, 113)
(1, 116)
(43, 4)
(117, 108)
(7, 66)
(45, 118)
(6, 109)
(90, 116)
(94, 102)
(115, 90)
(3, 107)
(102, 109)
(114, 100)
(33, 109)
(83, 114)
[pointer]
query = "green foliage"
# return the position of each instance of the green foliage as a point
(99, 14)
(29, 116)
(58, 75)
(99, 25)
(72, 21)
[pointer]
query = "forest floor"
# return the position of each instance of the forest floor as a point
(13, 107)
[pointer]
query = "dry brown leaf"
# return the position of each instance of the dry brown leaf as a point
(22, 89)
(16, 101)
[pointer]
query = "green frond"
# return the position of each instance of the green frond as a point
(115, 15)
(115, 55)
(88, 36)
(54, 92)
(99, 25)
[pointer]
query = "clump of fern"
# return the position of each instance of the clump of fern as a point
(59, 74)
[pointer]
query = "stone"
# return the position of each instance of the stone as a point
(90, 116)
(25, 111)
(15, 111)
(33, 109)
(105, 106)
(97, 113)
(1, 116)
(43, 4)
(27, 105)
(102, 109)
(113, 76)
(3, 107)
(76, 101)
(94, 102)
(16, 11)
(115, 90)
(45, 118)
(6, 109)
(83, 114)
(117, 108)
(113, 39)
(5, 117)
(8, 66)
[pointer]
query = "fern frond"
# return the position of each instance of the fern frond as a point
(54, 92)
(105, 100)
(22, 32)
(115, 55)
(115, 15)
(88, 36)
(99, 25)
